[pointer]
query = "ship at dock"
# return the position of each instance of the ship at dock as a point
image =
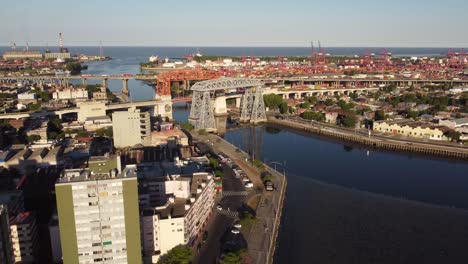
(157, 65)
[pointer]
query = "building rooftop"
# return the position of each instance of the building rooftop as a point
(79, 175)
(22, 218)
(175, 207)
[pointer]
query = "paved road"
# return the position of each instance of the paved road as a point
(223, 220)
(260, 237)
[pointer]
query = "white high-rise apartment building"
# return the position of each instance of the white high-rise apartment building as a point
(130, 127)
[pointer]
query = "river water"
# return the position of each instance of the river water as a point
(351, 218)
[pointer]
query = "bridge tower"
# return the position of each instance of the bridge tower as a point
(253, 106)
(201, 112)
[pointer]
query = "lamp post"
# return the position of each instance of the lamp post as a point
(281, 164)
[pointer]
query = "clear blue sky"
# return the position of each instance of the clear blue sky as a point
(408, 23)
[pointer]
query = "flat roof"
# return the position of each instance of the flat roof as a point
(81, 175)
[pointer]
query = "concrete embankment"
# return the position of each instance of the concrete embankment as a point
(377, 142)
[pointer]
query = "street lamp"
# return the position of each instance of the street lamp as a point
(281, 164)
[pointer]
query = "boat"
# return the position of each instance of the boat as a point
(153, 58)
(62, 73)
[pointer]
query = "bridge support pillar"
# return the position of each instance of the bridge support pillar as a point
(220, 107)
(85, 82)
(125, 87)
(104, 84)
(238, 102)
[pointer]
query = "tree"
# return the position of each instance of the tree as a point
(305, 105)
(349, 120)
(105, 132)
(413, 114)
(284, 109)
(273, 101)
(455, 136)
(35, 107)
(313, 116)
(33, 138)
(328, 102)
(380, 115)
(214, 163)
(82, 134)
(74, 67)
(235, 257)
(187, 126)
(180, 254)
(311, 99)
(43, 95)
(54, 129)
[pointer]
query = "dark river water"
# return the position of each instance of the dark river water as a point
(344, 203)
(375, 207)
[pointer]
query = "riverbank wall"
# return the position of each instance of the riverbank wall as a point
(379, 143)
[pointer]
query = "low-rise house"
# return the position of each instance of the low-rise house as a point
(331, 117)
(405, 127)
(454, 123)
(442, 115)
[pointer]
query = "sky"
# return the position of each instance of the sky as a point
(336, 23)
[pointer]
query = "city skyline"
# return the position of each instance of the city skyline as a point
(209, 23)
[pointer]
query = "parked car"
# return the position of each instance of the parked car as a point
(235, 231)
(237, 225)
(269, 186)
(219, 207)
(248, 185)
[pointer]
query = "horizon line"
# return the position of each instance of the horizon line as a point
(236, 46)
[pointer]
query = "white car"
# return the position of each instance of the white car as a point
(235, 231)
(237, 225)
(219, 207)
(248, 185)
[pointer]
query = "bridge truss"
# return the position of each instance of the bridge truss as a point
(252, 104)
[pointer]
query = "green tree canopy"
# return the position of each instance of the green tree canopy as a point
(33, 138)
(273, 101)
(317, 116)
(236, 257)
(328, 102)
(311, 99)
(380, 115)
(305, 105)
(180, 254)
(284, 109)
(105, 132)
(349, 120)
(413, 114)
(74, 67)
